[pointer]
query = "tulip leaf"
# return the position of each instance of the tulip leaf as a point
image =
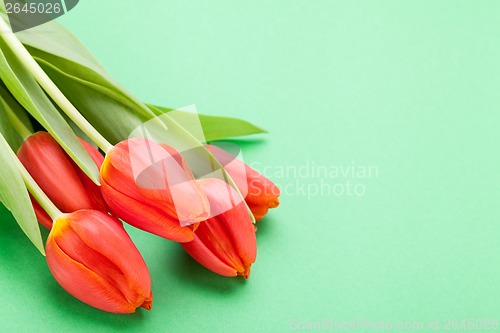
(17, 109)
(113, 115)
(29, 94)
(78, 130)
(88, 96)
(13, 118)
(52, 38)
(11, 136)
(53, 45)
(15, 195)
(214, 127)
(2, 200)
(217, 127)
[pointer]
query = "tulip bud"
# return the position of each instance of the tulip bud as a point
(225, 243)
(92, 257)
(59, 177)
(261, 193)
(151, 187)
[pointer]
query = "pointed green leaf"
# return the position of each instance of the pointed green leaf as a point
(15, 195)
(29, 94)
(216, 127)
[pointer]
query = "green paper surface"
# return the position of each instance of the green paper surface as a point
(383, 120)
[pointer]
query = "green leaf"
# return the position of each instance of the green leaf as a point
(216, 127)
(29, 94)
(77, 129)
(2, 200)
(16, 108)
(53, 38)
(15, 195)
(12, 116)
(109, 112)
(89, 92)
(52, 45)
(11, 136)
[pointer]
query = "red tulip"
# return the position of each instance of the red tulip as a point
(151, 187)
(261, 193)
(92, 257)
(59, 177)
(225, 243)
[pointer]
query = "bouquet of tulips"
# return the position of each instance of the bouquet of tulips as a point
(81, 155)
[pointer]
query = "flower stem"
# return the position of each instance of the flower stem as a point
(33, 187)
(50, 87)
(38, 193)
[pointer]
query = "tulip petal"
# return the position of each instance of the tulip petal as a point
(233, 166)
(217, 239)
(100, 234)
(260, 193)
(198, 250)
(181, 192)
(177, 156)
(93, 152)
(144, 216)
(225, 243)
(51, 168)
(93, 190)
(155, 176)
(258, 211)
(96, 250)
(72, 275)
(236, 220)
(101, 265)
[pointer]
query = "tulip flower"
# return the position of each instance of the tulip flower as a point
(59, 177)
(150, 186)
(225, 243)
(261, 193)
(92, 257)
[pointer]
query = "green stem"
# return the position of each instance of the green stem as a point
(38, 193)
(33, 187)
(50, 87)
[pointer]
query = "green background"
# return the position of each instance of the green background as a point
(410, 88)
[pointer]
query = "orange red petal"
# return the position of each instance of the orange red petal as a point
(260, 193)
(93, 258)
(159, 190)
(226, 243)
